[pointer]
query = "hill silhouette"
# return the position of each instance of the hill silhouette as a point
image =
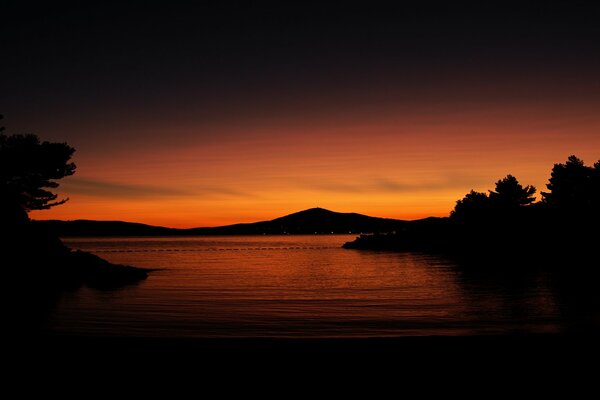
(83, 227)
(311, 221)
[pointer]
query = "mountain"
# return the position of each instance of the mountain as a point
(311, 221)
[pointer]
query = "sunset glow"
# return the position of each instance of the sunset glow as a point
(239, 181)
(208, 127)
(394, 167)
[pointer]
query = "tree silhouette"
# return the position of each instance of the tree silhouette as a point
(573, 186)
(28, 168)
(471, 207)
(510, 194)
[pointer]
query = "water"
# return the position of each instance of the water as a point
(298, 287)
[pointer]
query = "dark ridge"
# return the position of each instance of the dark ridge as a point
(82, 227)
(311, 221)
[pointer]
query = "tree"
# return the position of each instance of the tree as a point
(28, 168)
(573, 186)
(510, 194)
(471, 207)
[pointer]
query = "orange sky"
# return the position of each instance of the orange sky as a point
(403, 163)
(200, 114)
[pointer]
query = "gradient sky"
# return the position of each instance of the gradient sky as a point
(196, 116)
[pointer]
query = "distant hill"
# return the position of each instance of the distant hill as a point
(82, 227)
(311, 221)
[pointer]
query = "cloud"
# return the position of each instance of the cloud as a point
(101, 188)
(380, 185)
(384, 185)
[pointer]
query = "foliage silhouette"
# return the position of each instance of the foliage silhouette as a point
(508, 197)
(29, 167)
(573, 187)
(473, 206)
(507, 227)
(510, 194)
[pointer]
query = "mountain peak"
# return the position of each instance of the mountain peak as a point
(321, 220)
(315, 211)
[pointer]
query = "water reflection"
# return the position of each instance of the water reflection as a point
(307, 286)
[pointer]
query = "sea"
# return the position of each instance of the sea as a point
(307, 287)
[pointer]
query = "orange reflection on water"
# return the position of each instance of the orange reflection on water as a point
(288, 286)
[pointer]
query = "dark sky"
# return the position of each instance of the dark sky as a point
(81, 55)
(165, 77)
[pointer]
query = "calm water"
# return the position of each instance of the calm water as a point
(298, 286)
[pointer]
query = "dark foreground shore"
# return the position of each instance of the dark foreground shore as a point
(444, 350)
(312, 368)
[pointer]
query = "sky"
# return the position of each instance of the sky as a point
(192, 115)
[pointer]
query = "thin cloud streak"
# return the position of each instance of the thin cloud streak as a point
(391, 186)
(101, 188)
